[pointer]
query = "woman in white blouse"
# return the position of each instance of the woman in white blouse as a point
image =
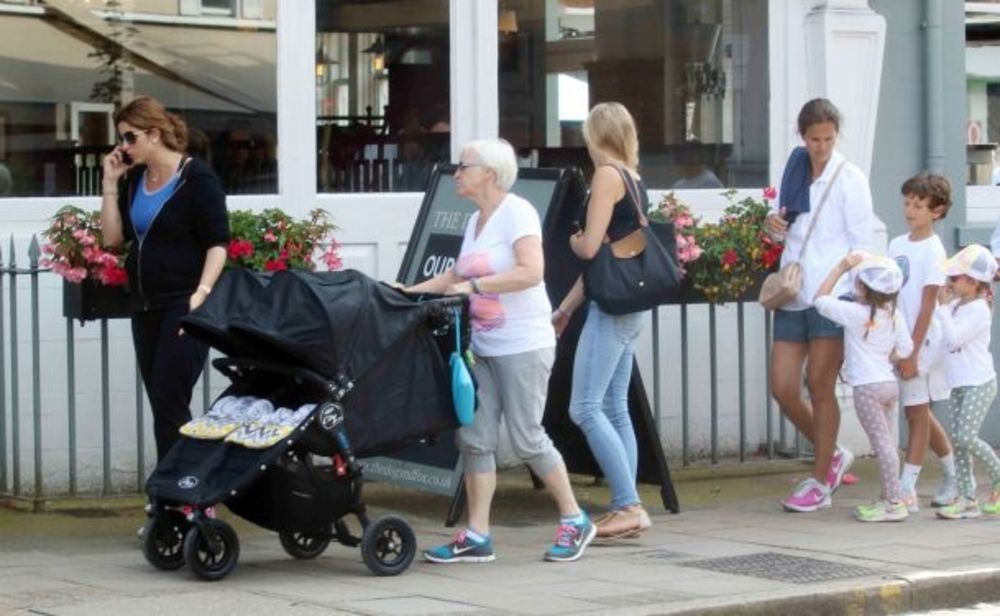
(823, 192)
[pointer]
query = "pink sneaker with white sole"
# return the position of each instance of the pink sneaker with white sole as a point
(841, 462)
(810, 495)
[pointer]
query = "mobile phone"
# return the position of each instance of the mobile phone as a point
(126, 158)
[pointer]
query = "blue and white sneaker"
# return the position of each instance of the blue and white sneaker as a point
(462, 549)
(571, 541)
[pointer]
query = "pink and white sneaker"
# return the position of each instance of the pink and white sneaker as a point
(810, 495)
(842, 461)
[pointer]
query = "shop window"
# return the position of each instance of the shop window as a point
(693, 73)
(59, 89)
(382, 94)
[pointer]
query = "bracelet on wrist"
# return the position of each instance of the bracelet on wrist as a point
(475, 286)
(205, 288)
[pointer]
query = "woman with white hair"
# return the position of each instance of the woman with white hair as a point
(500, 266)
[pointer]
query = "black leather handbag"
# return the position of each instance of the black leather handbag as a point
(636, 272)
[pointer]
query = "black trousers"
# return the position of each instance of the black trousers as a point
(170, 364)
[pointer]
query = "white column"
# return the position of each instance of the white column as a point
(475, 110)
(828, 48)
(845, 44)
(296, 51)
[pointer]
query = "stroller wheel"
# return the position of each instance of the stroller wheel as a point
(388, 546)
(163, 540)
(305, 545)
(215, 558)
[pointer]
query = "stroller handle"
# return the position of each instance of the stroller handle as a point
(229, 365)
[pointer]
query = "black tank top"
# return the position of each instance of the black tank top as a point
(624, 217)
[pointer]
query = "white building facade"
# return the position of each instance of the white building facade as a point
(724, 99)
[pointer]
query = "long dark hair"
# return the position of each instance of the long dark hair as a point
(817, 111)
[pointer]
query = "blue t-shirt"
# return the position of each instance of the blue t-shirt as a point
(146, 205)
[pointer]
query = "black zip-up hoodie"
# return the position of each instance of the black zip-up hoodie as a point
(164, 268)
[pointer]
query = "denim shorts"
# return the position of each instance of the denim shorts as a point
(804, 325)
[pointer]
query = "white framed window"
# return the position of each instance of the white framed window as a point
(208, 7)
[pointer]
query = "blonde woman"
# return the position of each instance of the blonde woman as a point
(602, 367)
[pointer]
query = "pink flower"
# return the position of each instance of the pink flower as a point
(48, 249)
(84, 237)
(113, 276)
(75, 274)
(682, 242)
(770, 193)
(683, 221)
(331, 256)
(269, 236)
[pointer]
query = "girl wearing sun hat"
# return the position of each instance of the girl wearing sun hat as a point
(875, 334)
(965, 314)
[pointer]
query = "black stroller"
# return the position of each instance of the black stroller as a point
(372, 363)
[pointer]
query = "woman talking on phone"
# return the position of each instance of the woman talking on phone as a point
(171, 210)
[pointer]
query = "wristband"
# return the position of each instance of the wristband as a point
(475, 286)
(562, 312)
(204, 287)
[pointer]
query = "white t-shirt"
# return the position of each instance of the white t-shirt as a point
(505, 323)
(844, 224)
(866, 359)
(965, 330)
(920, 263)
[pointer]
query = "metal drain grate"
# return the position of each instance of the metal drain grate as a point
(780, 567)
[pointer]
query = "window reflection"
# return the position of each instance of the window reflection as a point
(693, 73)
(68, 63)
(382, 94)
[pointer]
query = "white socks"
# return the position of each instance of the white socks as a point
(948, 465)
(908, 478)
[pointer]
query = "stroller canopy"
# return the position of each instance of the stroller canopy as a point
(337, 324)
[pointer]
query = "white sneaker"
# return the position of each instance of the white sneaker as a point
(946, 493)
(962, 509)
(881, 511)
(909, 498)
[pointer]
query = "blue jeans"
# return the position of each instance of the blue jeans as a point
(598, 403)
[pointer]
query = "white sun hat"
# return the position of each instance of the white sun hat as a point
(974, 261)
(879, 273)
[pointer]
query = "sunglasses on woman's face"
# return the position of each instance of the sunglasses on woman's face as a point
(130, 136)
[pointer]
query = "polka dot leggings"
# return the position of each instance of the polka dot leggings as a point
(874, 403)
(969, 406)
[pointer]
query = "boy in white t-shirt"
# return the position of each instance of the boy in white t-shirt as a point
(919, 253)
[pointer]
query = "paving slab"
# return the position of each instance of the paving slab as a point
(730, 551)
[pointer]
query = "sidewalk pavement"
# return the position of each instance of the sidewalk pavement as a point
(731, 550)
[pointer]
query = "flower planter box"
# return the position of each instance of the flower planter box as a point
(690, 295)
(91, 300)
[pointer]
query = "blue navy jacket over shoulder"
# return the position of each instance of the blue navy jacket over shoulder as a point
(795, 182)
(165, 265)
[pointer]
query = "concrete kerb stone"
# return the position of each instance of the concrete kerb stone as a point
(898, 594)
